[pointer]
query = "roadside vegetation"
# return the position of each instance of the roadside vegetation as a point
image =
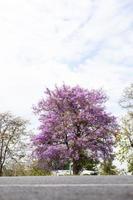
(76, 133)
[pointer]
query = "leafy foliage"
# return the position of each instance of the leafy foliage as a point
(12, 146)
(126, 100)
(107, 168)
(125, 143)
(130, 165)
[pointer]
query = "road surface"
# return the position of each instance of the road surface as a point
(67, 188)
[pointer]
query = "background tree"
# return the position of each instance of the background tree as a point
(13, 136)
(73, 123)
(126, 100)
(125, 144)
(126, 136)
(87, 163)
(35, 169)
(130, 165)
(108, 168)
(15, 169)
(125, 140)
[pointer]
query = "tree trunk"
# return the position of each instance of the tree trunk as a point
(75, 167)
(1, 171)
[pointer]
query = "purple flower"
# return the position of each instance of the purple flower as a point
(74, 120)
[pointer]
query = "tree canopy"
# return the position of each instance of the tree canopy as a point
(12, 146)
(125, 143)
(73, 123)
(126, 100)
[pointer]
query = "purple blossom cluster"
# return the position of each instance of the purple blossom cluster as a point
(74, 120)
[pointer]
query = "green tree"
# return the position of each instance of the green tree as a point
(107, 168)
(13, 134)
(86, 163)
(35, 169)
(125, 142)
(130, 165)
(15, 169)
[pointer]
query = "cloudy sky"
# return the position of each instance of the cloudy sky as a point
(48, 42)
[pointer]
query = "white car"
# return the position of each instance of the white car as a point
(88, 172)
(63, 172)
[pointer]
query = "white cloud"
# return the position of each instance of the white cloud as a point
(48, 42)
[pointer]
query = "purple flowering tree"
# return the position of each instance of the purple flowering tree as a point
(74, 124)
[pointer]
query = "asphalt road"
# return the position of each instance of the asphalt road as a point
(67, 188)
